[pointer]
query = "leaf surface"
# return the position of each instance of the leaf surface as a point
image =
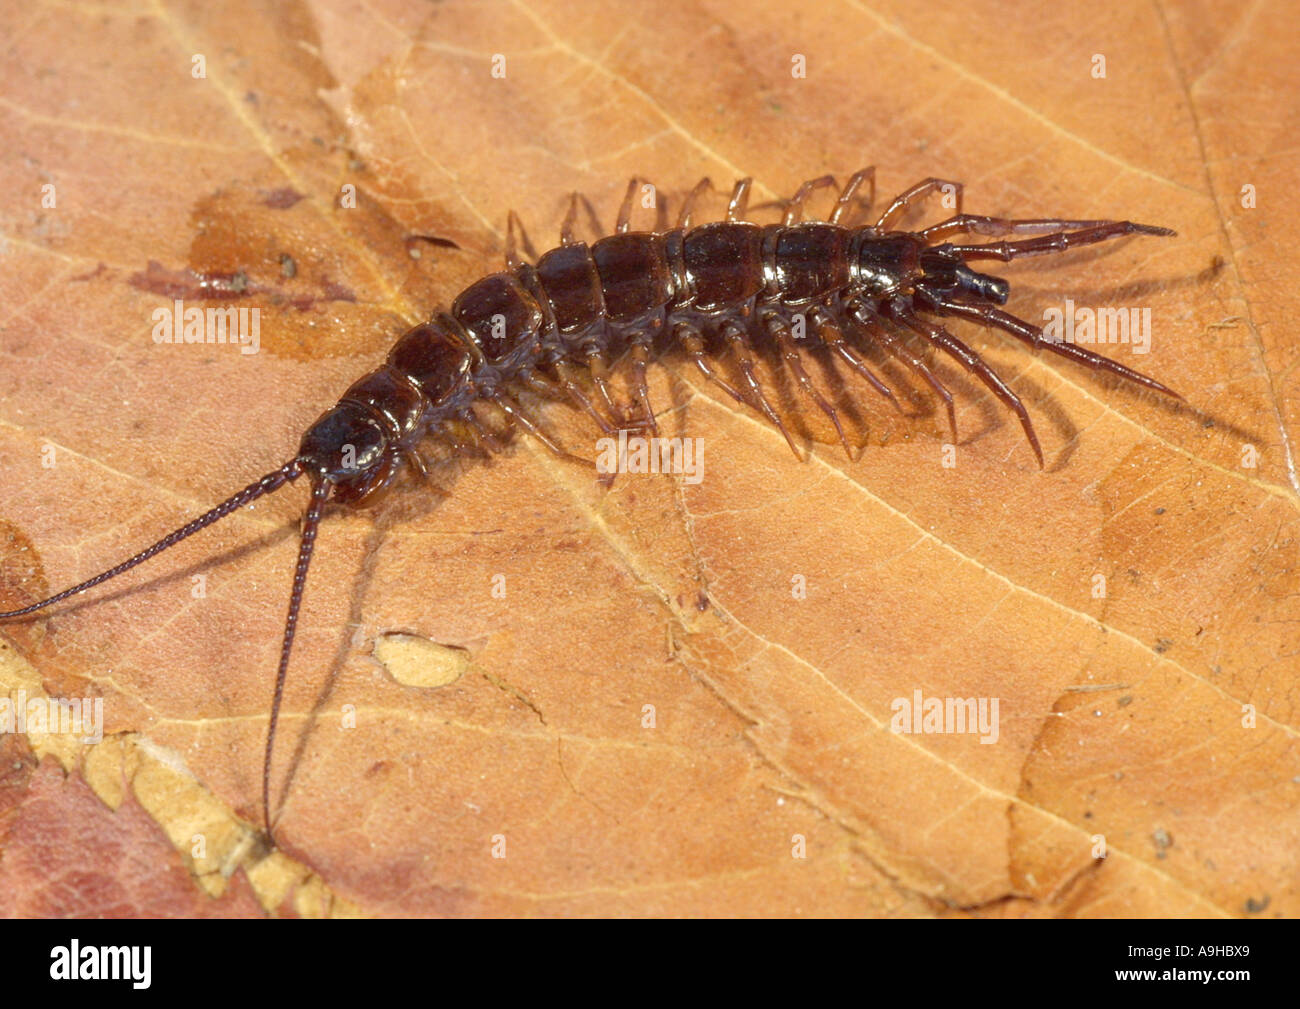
(1156, 718)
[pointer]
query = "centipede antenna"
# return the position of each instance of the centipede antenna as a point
(310, 523)
(270, 483)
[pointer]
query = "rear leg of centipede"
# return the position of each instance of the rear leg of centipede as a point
(988, 315)
(972, 362)
(997, 227)
(1058, 241)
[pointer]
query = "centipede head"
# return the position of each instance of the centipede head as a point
(348, 450)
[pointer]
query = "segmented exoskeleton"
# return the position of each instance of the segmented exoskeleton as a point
(719, 290)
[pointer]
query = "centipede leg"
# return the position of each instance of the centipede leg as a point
(624, 221)
(567, 387)
(794, 207)
(972, 362)
(513, 262)
(789, 349)
(520, 416)
(459, 446)
(909, 196)
(1057, 242)
(878, 329)
(1034, 336)
(688, 206)
(421, 470)
(479, 431)
(570, 220)
(738, 340)
(543, 385)
(691, 341)
(829, 332)
(851, 187)
(739, 201)
(598, 365)
(416, 462)
(996, 227)
(640, 354)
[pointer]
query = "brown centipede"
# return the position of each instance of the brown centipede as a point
(562, 324)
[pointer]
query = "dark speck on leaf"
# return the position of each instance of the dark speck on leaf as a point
(282, 198)
(337, 292)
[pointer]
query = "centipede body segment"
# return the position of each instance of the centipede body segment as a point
(719, 294)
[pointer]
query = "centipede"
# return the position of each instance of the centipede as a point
(720, 295)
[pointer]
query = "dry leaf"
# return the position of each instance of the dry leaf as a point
(67, 854)
(1157, 719)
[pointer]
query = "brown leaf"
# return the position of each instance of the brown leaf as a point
(1158, 719)
(69, 855)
